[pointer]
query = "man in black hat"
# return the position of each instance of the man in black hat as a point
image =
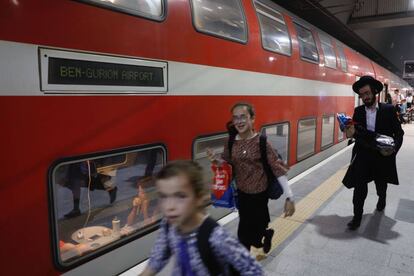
(368, 163)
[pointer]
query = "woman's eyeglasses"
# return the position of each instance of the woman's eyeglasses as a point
(239, 119)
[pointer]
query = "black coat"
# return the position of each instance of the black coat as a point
(367, 163)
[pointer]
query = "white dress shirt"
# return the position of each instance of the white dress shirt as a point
(371, 116)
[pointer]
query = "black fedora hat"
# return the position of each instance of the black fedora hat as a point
(364, 80)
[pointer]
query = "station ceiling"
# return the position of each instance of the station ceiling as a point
(383, 30)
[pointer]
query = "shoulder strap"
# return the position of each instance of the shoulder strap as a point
(204, 247)
(263, 157)
(230, 144)
(167, 230)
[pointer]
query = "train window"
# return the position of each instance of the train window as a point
(307, 45)
(275, 35)
(328, 125)
(152, 9)
(200, 146)
(223, 18)
(328, 51)
(278, 137)
(306, 138)
(102, 200)
(342, 58)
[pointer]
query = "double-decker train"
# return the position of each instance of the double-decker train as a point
(96, 95)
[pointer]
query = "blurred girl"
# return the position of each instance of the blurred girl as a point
(181, 192)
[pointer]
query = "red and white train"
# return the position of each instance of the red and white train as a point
(98, 94)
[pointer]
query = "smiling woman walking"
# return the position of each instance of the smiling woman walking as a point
(251, 178)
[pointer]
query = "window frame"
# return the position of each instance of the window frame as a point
(341, 51)
(112, 7)
(297, 140)
(288, 137)
(324, 147)
(322, 38)
(218, 35)
(205, 137)
(296, 23)
(261, 32)
(53, 226)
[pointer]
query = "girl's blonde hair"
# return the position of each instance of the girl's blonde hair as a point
(190, 169)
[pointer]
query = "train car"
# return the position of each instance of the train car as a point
(97, 95)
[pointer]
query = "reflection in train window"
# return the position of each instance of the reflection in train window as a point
(224, 18)
(200, 146)
(103, 199)
(328, 51)
(117, 160)
(342, 58)
(328, 124)
(275, 35)
(306, 138)
(307, 45)
(278, 137)
(152, 9)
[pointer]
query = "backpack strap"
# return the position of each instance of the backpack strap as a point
(167, 230)
(231, 143)
(263, 157)
(203, 244)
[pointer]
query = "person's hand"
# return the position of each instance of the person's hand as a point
(349, 131)
(387, 152)
(82, 248)
(289, 207)
(136, 202)
(211, 155)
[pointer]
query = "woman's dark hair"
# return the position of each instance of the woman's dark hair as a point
(231, 129)
(190, 169)
(249, 107)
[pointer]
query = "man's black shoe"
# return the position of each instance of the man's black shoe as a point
(380, 205)
(267, 243)
(112, 194)
(354, 224)
(73, 213)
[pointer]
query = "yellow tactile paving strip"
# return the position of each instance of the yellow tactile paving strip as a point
(305, 208)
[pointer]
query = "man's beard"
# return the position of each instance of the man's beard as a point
(370, 103)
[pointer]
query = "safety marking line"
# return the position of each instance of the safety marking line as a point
(305, 208)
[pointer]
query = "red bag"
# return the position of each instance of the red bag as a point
(222, 193)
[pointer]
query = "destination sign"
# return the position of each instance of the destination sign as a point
(71, 71)
(79, 72)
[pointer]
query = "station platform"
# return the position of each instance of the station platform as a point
(316, 241)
